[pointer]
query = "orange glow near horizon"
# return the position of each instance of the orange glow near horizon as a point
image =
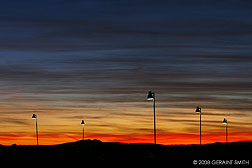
(164, 139)
(126, 122)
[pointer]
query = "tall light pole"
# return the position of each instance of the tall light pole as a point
(151, 96)
(226, 123)
(34, 116)
(198, 110)
(82, 123)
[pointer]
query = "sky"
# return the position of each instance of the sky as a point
(96, 60)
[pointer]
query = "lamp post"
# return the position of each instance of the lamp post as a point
(151, 96)
(198, 110)
(34, 116)
(82, 123)
(226, 123)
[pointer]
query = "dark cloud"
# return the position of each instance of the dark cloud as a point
(111, 25)
(14, 121)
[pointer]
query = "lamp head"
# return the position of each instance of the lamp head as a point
(198, 110)
(82, 122)
(151, 96)
(224, 121)
(34, 116)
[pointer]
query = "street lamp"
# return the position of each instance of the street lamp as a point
(151, 96)
(198, 110)
(83, 123)
(34, 116)
(226, 123)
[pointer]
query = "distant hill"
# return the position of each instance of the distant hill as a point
(96, 151)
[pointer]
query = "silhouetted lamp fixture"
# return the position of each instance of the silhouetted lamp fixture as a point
(83, 123)
(151, 96)
(34, 116)
(226, 123)
(198, 111)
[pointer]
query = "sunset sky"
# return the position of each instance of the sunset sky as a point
(96, 60)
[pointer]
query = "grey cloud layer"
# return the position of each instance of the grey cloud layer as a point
(113, 52)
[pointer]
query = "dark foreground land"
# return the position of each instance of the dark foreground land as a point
(236, 154)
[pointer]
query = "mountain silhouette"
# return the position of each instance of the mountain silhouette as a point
(95, 151)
